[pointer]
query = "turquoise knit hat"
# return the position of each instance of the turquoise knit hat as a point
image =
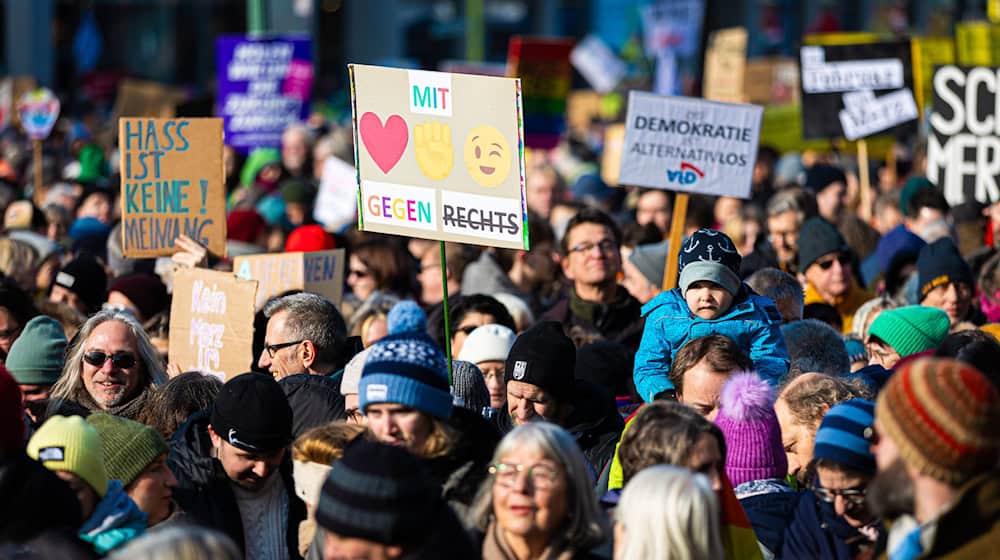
(910, 330)
(37, 356)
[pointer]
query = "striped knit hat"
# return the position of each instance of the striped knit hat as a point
(406, 367)
(381, 493)
(841, 436)
(943, 416)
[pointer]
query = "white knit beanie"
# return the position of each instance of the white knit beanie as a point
(488, 343)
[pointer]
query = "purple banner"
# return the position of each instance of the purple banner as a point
(264, 85)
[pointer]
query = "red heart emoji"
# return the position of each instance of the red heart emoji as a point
(386, 143)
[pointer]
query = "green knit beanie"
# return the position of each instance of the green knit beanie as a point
(257, 160)
(913, 329)
(37, 356)
(129, 447)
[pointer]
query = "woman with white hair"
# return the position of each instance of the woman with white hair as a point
(539, 501)
(110, 367)
(668, 512)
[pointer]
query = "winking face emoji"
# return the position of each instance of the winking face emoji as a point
(487, 156)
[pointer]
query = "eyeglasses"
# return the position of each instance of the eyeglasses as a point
(842, 258)
(121, 360)
(853, 496)
(542, 476)
(272, 348)
(605, 245)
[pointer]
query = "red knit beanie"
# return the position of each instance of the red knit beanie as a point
(943, 416)
(245, 225)
(146, 291)
(309, 238)
(11, 415)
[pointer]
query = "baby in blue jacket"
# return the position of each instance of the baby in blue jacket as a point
(709, 299)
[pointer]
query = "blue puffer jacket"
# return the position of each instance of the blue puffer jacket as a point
(752, 321)
(115, 521)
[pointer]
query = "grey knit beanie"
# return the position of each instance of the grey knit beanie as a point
(468, 387)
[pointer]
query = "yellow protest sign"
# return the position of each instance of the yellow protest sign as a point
(172, 184)
(211, 322)
(319, 272)
(929, 52)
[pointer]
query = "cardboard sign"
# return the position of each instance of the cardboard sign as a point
(172, 184)
(772, 81)
(598, 64)
(963, 147)
(39, 110)
(138, 98)
(692, 145)
(544, 69)
(832, 77)
(211, 322)
(725, 65)
(611, 157)
(929, 53)
(439, 156)
(264, 86)
(319, 272)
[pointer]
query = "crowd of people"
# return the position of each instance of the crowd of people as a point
(822, 382)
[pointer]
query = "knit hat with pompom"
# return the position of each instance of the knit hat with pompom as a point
(750, 426)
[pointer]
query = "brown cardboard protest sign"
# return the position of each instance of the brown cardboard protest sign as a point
(772, 81)
(211, 322)
(172, 184)
(725, 65)
(319, 272)
(137, 98)
(611, 159)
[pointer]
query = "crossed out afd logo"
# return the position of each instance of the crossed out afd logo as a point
(686, 175)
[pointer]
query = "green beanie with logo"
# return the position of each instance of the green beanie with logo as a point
(913, 329)
(38, 355)
(128, 447)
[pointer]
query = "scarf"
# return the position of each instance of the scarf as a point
(496, 548)
(129, 410)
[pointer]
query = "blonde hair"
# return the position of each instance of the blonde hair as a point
(17, 261)
(186, 542)
(325, 444)
(671, 513)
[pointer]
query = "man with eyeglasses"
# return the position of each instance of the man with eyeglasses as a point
(832, 519)
(826, 269)
(591, 261)
(786, 211)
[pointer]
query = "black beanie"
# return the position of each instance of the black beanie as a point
(545, 357)
(819, 176)
(252, 413)
(940, 263)
(85, 277)
(381, 493)
(818, 237)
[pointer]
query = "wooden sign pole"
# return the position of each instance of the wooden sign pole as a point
(677, 223)
(36, 149)
(865, 186)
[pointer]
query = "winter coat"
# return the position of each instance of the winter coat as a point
(970, 530)
(115, 521)
(594, 423)
(315, 400)
(752, 321)
(619, 321)
(769, 505)
(33, 500)
(816, 531)
(462, 471)
(205, 492)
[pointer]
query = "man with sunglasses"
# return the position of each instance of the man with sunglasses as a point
(827, 270)
(832, 519)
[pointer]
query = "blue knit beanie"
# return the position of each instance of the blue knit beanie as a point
(841, 436)
(406, 367)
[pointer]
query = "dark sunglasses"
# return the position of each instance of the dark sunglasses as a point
(843, 259)
(122, 360)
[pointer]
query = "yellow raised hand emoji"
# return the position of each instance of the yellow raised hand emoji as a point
(432, 145)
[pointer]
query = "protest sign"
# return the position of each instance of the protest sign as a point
(39, 110)
(725, 65)
(835, 79)
(772, 81)
(172, 185)
(439, 156)
(137, 98)
(544, 69)
(611, 157)
(929, 53)
(211, 322)
(963, 147)
(977, 43)
(690, 145)
(264, 85)
(598, 64)
(497, 69)
(319, 272)
(336, 203)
